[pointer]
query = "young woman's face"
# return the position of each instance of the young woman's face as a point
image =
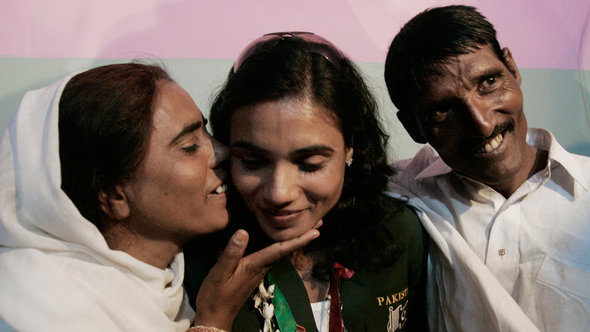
(288, 159)
(177, 192)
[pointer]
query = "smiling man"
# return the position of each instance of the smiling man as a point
(507, 206)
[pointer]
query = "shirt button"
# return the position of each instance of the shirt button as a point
(502, 252)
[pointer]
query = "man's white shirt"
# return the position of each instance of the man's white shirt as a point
(505, 264)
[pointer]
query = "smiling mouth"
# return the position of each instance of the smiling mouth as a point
(219, 189)
(282, 217)
(492, 144)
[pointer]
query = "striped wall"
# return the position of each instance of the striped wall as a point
(197, 40)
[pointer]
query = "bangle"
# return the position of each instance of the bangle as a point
(201, 328)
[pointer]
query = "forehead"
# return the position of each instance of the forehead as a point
(462, 72)
(282, 120)
(173, 110)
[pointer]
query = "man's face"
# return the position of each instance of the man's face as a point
(472, 115)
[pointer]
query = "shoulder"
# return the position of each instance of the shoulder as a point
(401, 219)
(405, 227)
(418, 174)
(400, 231)
(50, 287)
(413, 166)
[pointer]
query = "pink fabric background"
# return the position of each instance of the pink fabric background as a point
(540, 33)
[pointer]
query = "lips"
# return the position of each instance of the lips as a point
(282, 218)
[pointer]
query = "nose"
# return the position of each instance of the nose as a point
(282, 186)
(220, 153)
(481, 116)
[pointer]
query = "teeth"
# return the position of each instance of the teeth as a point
(221, 189)
(492, 144)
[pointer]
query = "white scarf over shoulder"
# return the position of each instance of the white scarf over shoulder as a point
(56, 271)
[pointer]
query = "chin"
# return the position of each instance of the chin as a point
(219, 223)
(280, 235)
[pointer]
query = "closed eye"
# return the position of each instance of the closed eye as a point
(310, 168)
(251, 163)
(312, 163)
(190, 150)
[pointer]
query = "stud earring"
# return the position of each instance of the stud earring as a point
(349, 162)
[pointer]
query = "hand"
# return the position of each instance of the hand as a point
(233, 278)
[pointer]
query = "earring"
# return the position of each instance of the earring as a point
(349, 162)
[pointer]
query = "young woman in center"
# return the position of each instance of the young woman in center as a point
(307, 150)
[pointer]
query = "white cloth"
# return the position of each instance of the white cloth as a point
(321, 315)
(56, 270)
(505, 264)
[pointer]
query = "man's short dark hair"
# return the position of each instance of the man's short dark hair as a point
(428, 41)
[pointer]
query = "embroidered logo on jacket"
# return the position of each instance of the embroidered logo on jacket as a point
(397, 317)
(393, 298)
(397, 309)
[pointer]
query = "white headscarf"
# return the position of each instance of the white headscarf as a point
(57, 272)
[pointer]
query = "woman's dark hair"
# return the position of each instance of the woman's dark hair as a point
(105, 120)
(292, 68)
(430, 40)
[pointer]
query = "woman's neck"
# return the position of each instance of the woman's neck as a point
(304, 262)
(155, 252)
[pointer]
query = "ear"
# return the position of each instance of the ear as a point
(349, 153)
(114, 204)
(409, 121)
(511, 64)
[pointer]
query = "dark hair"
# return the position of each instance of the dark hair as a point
(428, 41)
(105, 119)
(290, 69)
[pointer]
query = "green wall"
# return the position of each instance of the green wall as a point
(558, 100)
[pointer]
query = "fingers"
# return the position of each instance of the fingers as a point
(319, 224)
(275, 252)
(233, 252)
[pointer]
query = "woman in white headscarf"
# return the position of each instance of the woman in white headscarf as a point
(104, 176)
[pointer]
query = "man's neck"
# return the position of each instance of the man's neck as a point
(538, 161)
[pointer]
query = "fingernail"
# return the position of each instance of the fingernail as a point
(240, 237)
(316, 234)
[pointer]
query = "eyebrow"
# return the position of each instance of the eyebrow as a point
(313, 149)
(443, 102)
(248, 146)
(320, 148)
(187, 130)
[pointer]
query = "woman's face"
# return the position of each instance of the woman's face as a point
(287, 162)
(177, 192)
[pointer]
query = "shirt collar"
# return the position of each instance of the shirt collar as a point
(544, 140)
(437, 167)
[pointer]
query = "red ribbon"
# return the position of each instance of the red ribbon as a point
(340, 271)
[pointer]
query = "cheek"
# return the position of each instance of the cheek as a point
(444, 145)
(511, 97)
(442, 135)
(186, 180)
(244, 182)
(327, 188)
